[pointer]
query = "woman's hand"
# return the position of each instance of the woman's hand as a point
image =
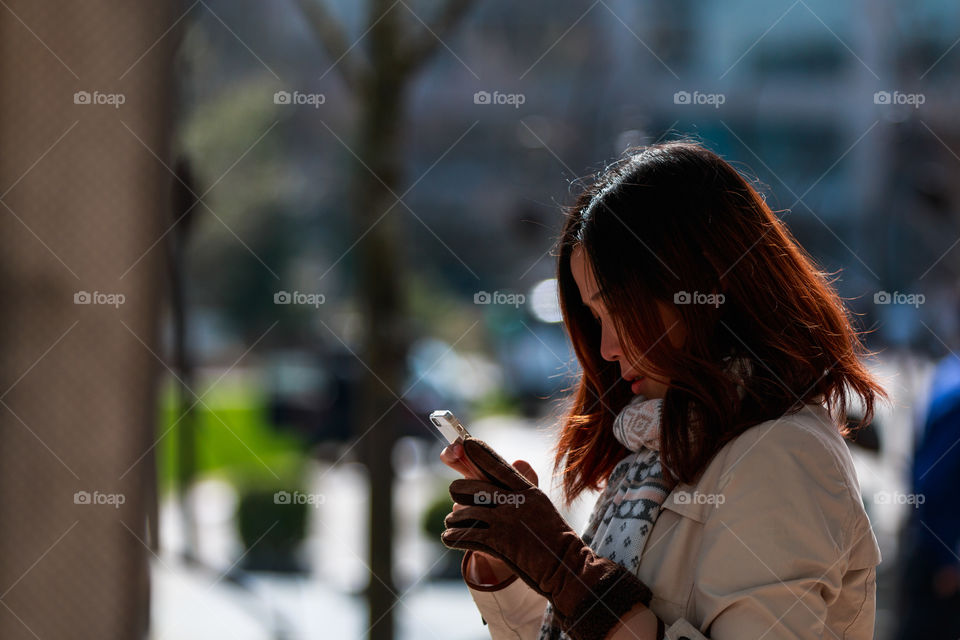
(506, 516)
(481, 568)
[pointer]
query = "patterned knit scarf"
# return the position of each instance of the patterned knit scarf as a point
(630, 503)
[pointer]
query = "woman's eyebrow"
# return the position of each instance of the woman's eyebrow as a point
(595, 295)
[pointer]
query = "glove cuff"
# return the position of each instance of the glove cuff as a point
(605, 603)
(503, 584)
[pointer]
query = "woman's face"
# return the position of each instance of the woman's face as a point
(610, 346)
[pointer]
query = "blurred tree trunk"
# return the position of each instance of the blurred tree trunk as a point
(379, 85)
(82, 199)
(380, 289)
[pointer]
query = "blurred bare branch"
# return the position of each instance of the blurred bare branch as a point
(428, 38)
(333, 38)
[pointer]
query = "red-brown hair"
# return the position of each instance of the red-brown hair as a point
(673, 219)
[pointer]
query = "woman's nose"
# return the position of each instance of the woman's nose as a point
(610, 346)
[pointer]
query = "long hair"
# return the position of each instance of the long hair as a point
(674, 223)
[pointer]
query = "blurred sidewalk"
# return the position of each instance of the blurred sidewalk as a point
(187, 607)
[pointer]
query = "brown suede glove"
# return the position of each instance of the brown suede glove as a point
(511, 519)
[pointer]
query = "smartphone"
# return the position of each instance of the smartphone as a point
(448, 425)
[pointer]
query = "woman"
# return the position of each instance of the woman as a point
(717, 363)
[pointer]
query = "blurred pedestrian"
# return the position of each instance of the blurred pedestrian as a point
(929, 558)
